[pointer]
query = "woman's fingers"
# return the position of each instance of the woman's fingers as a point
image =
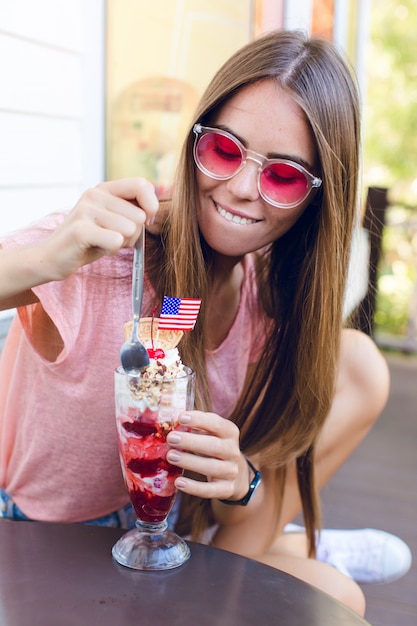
(210, 447)
(207, 435)
(105, 223)
(106, 218)
(121, 206)
(212, 468)
(208, 490)
(135, 190)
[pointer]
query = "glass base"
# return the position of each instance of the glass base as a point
(151, 547)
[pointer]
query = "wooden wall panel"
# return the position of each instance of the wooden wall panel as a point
(51, 105)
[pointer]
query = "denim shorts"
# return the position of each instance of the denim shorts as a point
(123, 518)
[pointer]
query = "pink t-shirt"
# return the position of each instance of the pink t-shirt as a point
(58, 447)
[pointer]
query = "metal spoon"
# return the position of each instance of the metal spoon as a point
(133, 354)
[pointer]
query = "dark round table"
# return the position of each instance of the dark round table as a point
(64, 575)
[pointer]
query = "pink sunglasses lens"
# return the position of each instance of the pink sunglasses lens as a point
(283, 183)
(218, 155)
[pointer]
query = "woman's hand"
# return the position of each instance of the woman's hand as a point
(210, 447)
(106, 218)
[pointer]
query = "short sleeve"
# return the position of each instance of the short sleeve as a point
(51, 295)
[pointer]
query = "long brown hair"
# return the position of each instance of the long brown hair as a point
(302, 275)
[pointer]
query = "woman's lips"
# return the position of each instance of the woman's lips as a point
(233, 217)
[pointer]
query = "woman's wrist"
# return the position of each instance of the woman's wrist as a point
(254, 480)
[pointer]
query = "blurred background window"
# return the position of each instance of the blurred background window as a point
(160, 57)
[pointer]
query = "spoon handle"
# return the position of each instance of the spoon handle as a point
(137, 277)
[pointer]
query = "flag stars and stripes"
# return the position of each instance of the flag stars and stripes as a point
(179, 313)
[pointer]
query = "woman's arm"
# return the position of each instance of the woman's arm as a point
(251, 530)
(20, 270)
(105, 219)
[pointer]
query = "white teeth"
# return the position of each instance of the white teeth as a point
(233, 218)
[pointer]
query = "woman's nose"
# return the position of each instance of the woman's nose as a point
(244, 184)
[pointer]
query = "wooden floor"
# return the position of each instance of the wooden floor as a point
(377, 488)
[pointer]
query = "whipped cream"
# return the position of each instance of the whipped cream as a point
(164, 367)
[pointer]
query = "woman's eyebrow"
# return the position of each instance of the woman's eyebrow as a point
(270, 155)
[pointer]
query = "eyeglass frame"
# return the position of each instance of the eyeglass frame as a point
(313, 182)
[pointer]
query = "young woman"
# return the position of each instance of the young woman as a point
(259, 227)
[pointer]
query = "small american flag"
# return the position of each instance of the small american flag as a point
(179, 313)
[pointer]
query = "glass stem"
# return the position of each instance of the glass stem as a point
(151, 527)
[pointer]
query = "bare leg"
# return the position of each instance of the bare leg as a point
(289, 555)
(361, 394)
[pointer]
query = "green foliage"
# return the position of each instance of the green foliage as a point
(390, 154)
(391, 100)
(397, 272)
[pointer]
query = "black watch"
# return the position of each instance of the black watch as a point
(256, 481)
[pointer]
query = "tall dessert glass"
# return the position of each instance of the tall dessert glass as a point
(147, 409)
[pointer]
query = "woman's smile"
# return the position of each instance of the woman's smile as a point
(234, 216)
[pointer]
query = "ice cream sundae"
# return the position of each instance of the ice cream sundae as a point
(146, 411)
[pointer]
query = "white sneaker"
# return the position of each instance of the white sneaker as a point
(367, 555)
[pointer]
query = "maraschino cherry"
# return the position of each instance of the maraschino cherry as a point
(156, 353)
